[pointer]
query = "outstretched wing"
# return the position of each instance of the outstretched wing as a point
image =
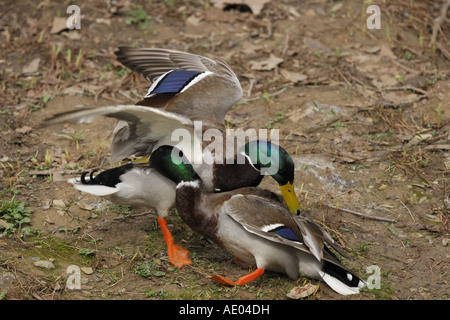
(192, 85)
(147, 128)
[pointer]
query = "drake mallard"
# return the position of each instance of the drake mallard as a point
(256, 228)
(143, 185)
(186, 88)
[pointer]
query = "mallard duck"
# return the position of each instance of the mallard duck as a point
(252, 225)
(187, 89)
(142, 185)
(137, 185)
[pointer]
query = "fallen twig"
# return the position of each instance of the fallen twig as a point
(421, 176)
(409, 211)
(443, 50)
(359, 214)
(134, 215)
(403, 103)
(404, 88)
(270, 96)
(438, 22)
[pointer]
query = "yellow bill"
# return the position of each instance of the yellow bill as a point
(141, 160)
(290, 198)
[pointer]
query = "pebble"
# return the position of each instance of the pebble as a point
(44, 264)
(87, 270)
(59, 203)
(7, 279)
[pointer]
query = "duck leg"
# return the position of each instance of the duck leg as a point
(241, 263)
(241, 281)
(177, 255)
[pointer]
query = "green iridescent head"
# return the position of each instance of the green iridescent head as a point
(271, 159)
(172, 163)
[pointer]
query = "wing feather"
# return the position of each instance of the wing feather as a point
(147, 128)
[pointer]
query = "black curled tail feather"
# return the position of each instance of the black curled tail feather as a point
(109, 178)
(91, 178)
(343, 275)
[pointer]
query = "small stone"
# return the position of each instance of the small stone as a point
(7, 279)
(59, 203)
(44, 264)
(87, 270)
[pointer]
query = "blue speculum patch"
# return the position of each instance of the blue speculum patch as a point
(286, 233)
(175, 81)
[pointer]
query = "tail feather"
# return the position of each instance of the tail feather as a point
(94, 189)
(103, 184)
(340, 279)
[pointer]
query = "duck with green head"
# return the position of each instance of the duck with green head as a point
(141, 184)
(253, 225)
(186, 89)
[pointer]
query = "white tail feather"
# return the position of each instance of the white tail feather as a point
(94, 189)
(339, 286)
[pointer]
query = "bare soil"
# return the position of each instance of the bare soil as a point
(363, 112)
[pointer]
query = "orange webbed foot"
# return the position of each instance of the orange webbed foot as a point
(241, 281)
(178, 256)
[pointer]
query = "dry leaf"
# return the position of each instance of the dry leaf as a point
(385, 51)
(23, 130)
(194, 21)
(32, 67)
(266, 65)
(303, 291)
(255, 5)
(293, 76)
(58, 25)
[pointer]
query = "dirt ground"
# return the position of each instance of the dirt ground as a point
(363, 112)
